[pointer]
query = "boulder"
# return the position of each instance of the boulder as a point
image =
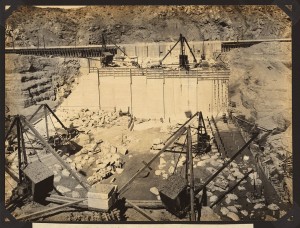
(73, 166)
(215, 163)
(238, 175)
(79, 167)
(213, 199)
(230, 197)
(233, 165)
(171, 169)
(224, 211)
(119, 170)
(113, 149)
(258, 206)
(75, 194)
(215, 156)
(57, 179)
(205, 157)
(78, 186)
(230, 177)
(154, 190)
(232, 208)
(58, 167)
(78, 159)
(233, 216)
(122, 150)
(158, 172)
(252, 175)
(245, 213)
(209, 194)
(201, 163)
(84, 151)
(65, 173)
(241, 188)
(270, 218)
(91, 160)
(273, 207)
(62, 189)
(211, 170)
(162, 161)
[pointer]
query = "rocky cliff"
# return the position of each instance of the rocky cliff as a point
(31, 26)
(31, 80)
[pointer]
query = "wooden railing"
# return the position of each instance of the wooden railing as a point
(160, 73)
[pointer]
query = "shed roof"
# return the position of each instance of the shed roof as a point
(37, 172)
(173, 186)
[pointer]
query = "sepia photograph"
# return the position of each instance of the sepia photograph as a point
(165, 113)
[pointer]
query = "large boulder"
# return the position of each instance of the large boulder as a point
(233, 216)
(62, 189)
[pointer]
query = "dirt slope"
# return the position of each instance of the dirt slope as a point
(126, 24)
(260, 83)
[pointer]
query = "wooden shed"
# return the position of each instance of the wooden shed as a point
(41, 178)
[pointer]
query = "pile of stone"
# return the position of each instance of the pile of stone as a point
(107, 163)
(87, 120)
(102, 158)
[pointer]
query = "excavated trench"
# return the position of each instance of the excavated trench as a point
(32, 80)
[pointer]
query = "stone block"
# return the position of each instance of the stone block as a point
(102, 196)
(102, 191)
(122, 150)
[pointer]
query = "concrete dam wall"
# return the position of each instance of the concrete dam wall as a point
(155, 93)
(158, 50)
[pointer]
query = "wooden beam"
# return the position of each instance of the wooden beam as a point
(50, 149)
(48, 210)
(142, 212)
(191, 173)
(178, 134)
(225, 165)
(149, 204)
(168, 142)
(230, 189)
